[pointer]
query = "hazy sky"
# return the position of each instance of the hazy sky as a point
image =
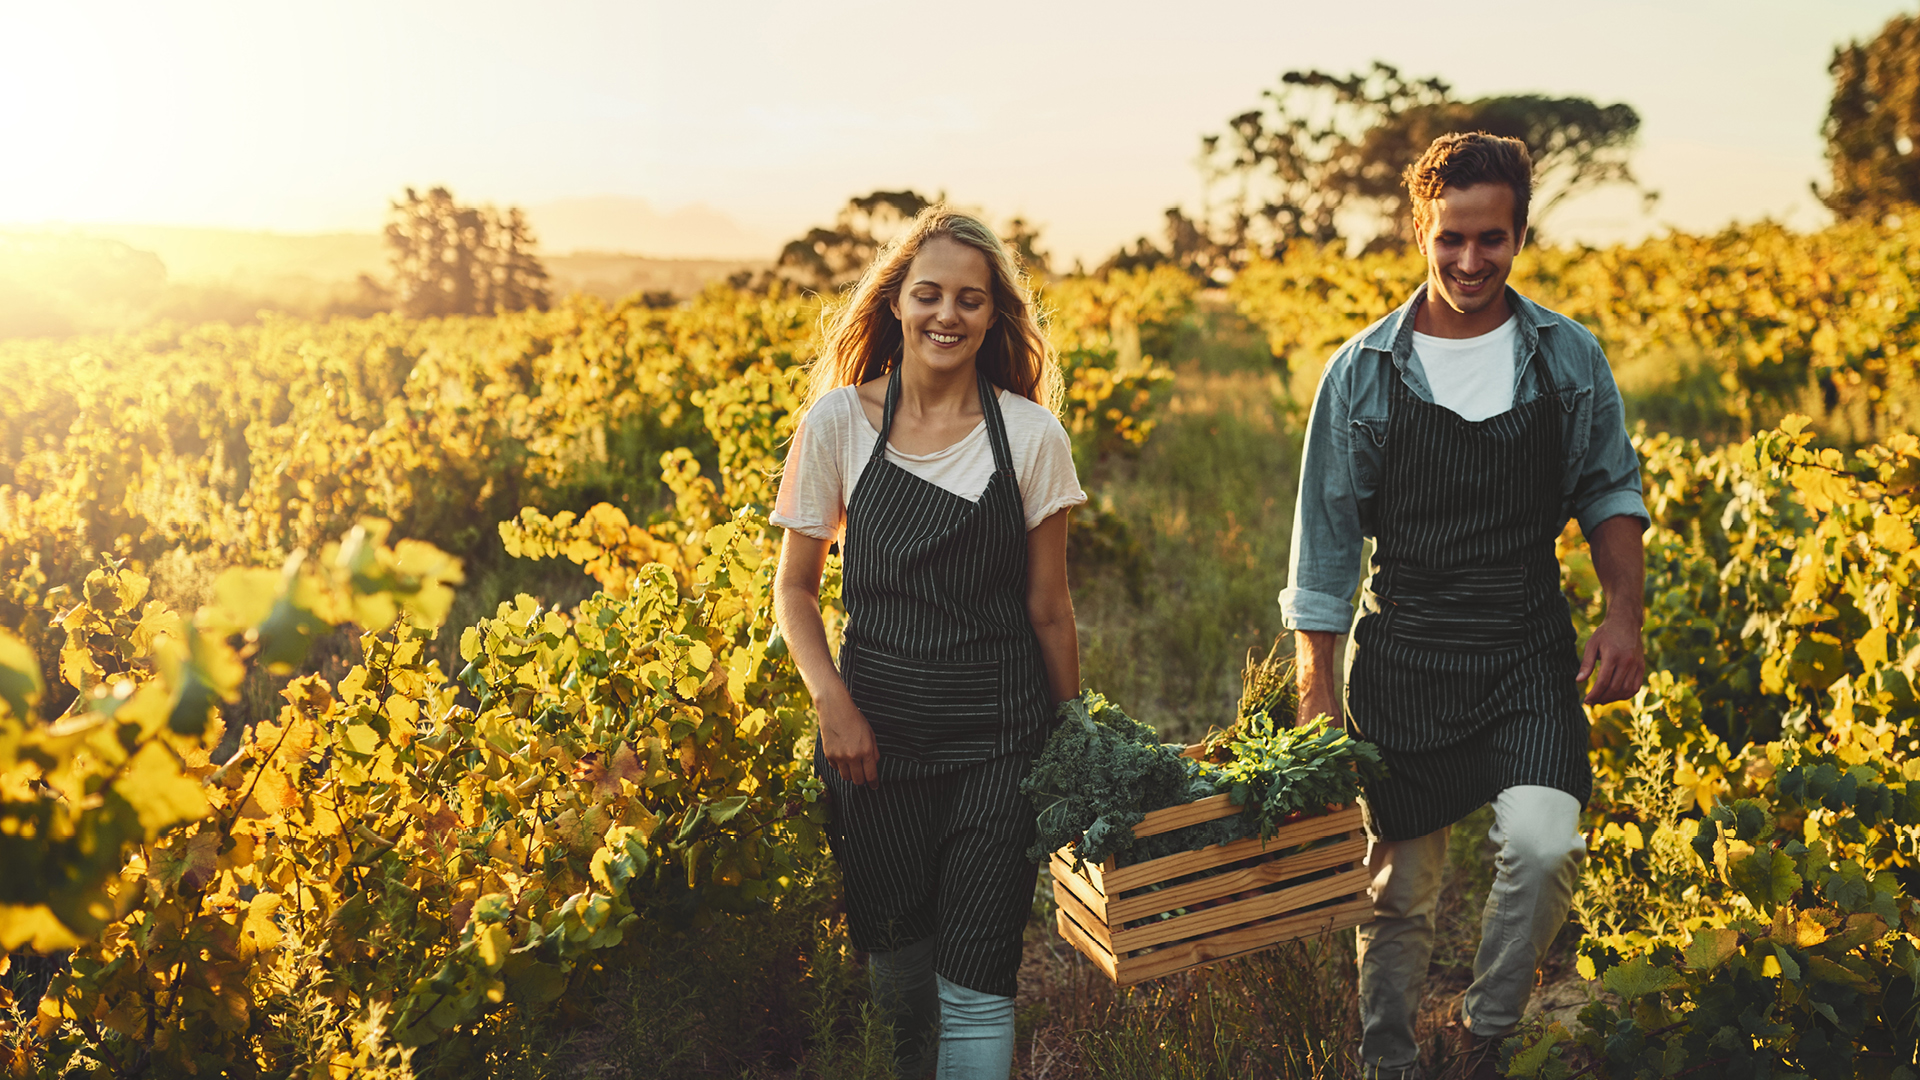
(1085, 117)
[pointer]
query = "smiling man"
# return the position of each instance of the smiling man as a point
(1460, 434)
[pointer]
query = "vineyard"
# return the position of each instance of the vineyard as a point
(376, 693)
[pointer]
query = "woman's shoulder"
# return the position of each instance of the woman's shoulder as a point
(1026, 414)
(830, 415)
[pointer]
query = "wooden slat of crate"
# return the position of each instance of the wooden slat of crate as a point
(1089, 902)
(1241, 940)
(1118, 880)
(1262, 906)
(1252, 876)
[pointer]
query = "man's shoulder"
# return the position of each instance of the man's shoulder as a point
(1562, 336)
(1376, 339)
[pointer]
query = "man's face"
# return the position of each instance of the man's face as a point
(1470, 245)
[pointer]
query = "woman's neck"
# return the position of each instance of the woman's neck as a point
(927, 392)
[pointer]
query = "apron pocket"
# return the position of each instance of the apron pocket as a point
(921, 708)
(1465, 609)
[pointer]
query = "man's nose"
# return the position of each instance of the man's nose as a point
(1470, 258)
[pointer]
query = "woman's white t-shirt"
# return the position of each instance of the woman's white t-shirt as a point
(835, 441)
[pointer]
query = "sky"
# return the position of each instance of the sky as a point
(763, 118)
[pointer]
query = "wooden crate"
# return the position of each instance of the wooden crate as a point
(1309, 878)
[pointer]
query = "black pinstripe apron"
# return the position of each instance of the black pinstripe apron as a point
(940, 656)
(1463, 661)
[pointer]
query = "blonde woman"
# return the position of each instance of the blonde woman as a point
(930, 451)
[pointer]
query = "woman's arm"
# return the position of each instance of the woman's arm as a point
(1050, 605)
(845, 736)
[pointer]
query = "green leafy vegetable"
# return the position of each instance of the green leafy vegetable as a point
(1102, 771)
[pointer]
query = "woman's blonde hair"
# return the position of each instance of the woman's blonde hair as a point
(862, 336)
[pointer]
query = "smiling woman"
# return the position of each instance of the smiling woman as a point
(930, 452)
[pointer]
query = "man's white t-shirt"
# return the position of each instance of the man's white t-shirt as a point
(1472, 376)
(835, 441)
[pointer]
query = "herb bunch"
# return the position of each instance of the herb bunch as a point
(1102, 771)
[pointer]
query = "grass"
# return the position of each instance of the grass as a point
(1209, 505)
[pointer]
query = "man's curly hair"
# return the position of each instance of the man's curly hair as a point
(1467, 158)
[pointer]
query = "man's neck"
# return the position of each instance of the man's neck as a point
(1436, 318)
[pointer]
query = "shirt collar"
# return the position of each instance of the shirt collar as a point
(1393, 335)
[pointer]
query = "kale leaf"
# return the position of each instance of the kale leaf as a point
(1102, 771)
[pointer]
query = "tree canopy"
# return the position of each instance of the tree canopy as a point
(828, 259)
(1873, 122)
(450, 259)
(1321, 158)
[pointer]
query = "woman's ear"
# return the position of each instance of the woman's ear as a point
(893, 304)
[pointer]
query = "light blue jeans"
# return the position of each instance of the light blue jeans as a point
(1537, 832)
(975, 1029)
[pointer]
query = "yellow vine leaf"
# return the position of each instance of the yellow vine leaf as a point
(1872, 647)
(33, 926)
(159, 792)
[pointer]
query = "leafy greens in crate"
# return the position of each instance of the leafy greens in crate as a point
(1102, 771)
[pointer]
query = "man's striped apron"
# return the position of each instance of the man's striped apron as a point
(941, 658)
(1463, 660)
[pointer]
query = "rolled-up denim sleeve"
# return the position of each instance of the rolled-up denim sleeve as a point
(1609, 484)
(1324, 563)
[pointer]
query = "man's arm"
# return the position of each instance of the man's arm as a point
(1324, 562)
(1316, 652)
(1615, 656)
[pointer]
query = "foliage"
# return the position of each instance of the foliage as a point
(1716, 336)
(450, 259)
(1326, 149)
(1102, 771)
(827, 260)
(1871, 122)
(402, 866)
(1750, 904)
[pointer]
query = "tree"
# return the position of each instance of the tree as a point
(826, 260)
(829, 259)
(1872, 124)
(450, 259)
(1322, 159)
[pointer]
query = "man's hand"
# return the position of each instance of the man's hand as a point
(1614, 655)
(1616, 660)
(1314, 651)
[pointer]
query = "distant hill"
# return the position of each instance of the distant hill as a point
(56, 282)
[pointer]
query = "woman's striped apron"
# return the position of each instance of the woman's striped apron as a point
(1463, 660)
(941, 658)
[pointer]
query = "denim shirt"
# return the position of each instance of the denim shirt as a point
(1346, 446)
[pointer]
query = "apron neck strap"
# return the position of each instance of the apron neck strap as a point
(989, 408)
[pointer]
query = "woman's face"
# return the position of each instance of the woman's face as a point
(945, 306)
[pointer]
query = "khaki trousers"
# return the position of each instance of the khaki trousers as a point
(1537, 832)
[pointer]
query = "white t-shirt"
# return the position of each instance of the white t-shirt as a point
(835, 441)
(1472, 376)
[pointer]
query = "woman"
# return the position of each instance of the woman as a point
(930, 441)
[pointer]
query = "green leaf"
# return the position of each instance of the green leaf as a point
(1639, 977)
(1766, 877)
(1711, 948)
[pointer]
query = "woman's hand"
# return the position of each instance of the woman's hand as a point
(846, 740)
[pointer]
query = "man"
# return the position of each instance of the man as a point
(1460, 433)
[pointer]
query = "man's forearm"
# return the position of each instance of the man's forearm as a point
(1315, 652)
(1620, 562)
